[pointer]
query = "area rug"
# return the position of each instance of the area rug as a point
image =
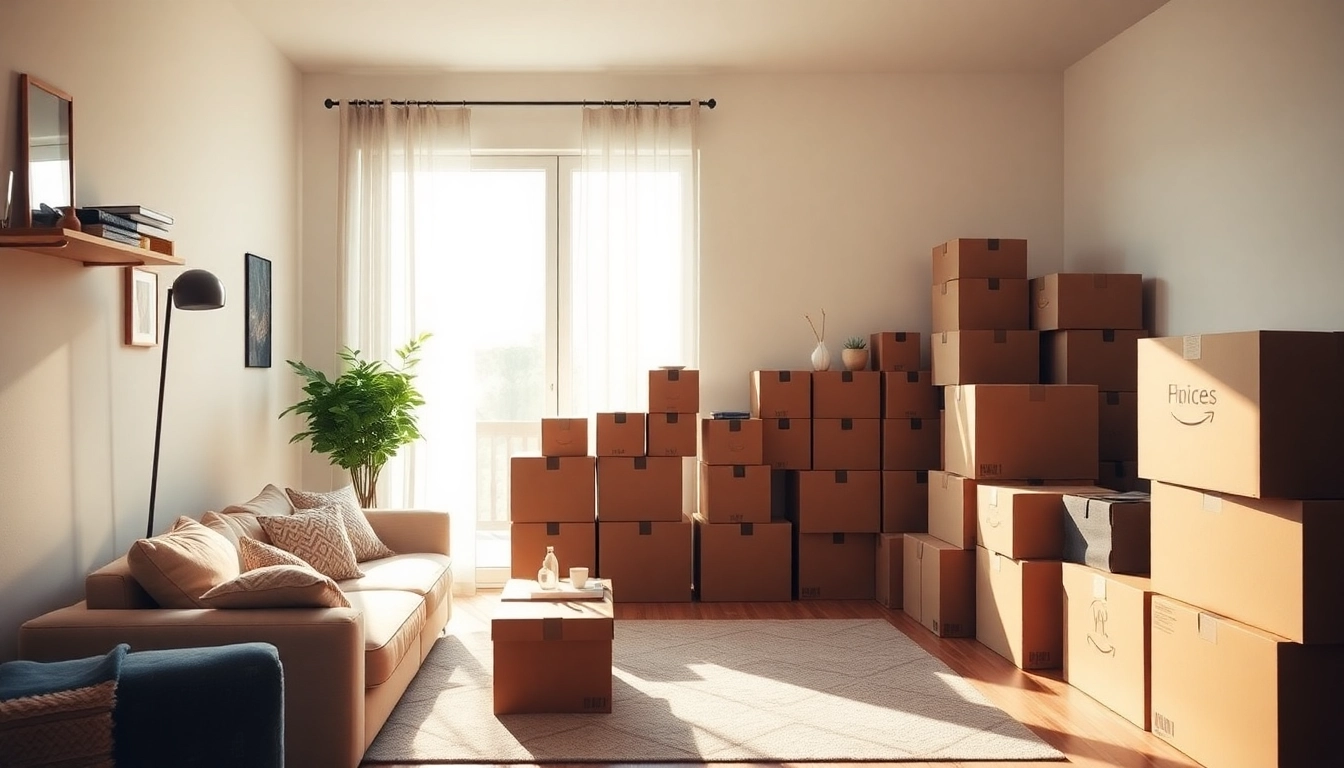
(718, 691)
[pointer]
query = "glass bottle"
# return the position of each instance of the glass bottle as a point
(549, 575)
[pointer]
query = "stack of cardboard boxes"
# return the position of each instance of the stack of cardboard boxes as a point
(552, 501)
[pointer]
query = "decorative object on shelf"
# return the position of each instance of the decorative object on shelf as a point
(68, 219)
(141, 309)
(362, 417)
(855, 353)
(46, 164)
(821, 356)
(195, 289)
(257, 320)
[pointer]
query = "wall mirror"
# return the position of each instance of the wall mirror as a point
(46, 168)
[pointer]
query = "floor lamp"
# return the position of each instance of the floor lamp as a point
(195, 289)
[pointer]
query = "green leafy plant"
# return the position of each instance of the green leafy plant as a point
(856, 342)
(362, 417)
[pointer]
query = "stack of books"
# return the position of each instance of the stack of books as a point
(130, 224)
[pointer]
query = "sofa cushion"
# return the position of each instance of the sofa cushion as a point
(255, 555)
(244, 525)
(392, 624)
(366, 543)
(277, 586)
(271, 501)
(317, 537)
(112, 587)
(177, 567)
(425, 574)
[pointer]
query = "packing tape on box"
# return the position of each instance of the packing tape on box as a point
(1192, 347)
(1208, 628)
(1098, 587)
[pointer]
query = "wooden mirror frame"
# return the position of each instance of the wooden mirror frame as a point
(22, 204)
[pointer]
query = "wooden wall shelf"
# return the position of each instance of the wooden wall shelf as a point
(89, 250)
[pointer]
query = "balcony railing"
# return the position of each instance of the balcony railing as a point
(496, 443)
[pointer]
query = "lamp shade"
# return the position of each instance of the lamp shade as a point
(197, 289)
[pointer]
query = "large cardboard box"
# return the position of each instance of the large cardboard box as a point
(1108, 359)
(1024, 522)
(986, 357)
(938, 582)
(905, 501)
(551, 489)
(847, 395)
(1254, 414)
(671, 434)
(781, 394)
(1021, 432)
(1081, 300)
(647, 562)
(620, 434)
(674, 391)
(1117, 426)
(836, 566)
(787, 443)
(912, 444)
(952, 509)
(564, 437)
(552, 657)
(1108, 531)
(890, 591)
(1106, 639)
(1121, 476)
(894, 351)
(1018, 612)
(910, 395)
(639, 488)
(1272, 563)
(979, 257)
(735, 494)
(1230, 695)
(836, 501)
(731, 441)
(745, 562)
(980, 303)
(574, 543)
(846, 444)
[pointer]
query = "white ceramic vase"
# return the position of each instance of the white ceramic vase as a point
(821, 357)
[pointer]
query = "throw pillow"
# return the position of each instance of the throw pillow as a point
(243, 524)
(362, 537)
(278, 586)
(271, 501)
(177, 567)
(216, 522)
(59, 713)
(258, 555)
(319, 538)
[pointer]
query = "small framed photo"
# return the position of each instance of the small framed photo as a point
(142, 307)
(257, 333)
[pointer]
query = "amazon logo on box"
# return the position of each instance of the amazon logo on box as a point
(1200, 400)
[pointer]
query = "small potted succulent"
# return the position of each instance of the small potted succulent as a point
(854, 354)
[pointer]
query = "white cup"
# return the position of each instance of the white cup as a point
(578, 576)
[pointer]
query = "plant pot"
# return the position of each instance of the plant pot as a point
(854, 359)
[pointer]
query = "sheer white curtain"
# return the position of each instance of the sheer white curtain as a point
(390, 206)
(635, 262)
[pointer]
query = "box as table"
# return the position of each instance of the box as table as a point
(552, 657)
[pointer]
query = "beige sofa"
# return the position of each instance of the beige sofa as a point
(344, 668)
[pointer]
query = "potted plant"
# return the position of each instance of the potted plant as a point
(362, 417)
(854, 354)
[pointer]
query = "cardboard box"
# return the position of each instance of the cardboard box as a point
(787, 443)
(952, 509)
(732, 441)
(781, 394)
(1234, 696)
(620, 434)
(745, 562)
(980, 304)
(564, 437)
(1118, 426)
(979, 257)
(552, 489)
(836, 566)
(575, 544)
(674, 391)
(986, 357)
(894, 351)
(1106, 639)
(836, 501)
(1254, 414)
(912, 444)
(1272, 563)
(910, 395)
(905, 501)
(846, 444)
(647, 562)
(735, 494)
(890, 591)
(1108, 531)
(552, 657)
(1121, 476)
(1108, 359)
(1021, 432)
(632, 489)
(671, 434)
(1017, 609)
(846, 395)
(939, 585)
(1024, 522)
(1077, 300)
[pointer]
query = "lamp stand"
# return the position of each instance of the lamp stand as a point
(158, 420)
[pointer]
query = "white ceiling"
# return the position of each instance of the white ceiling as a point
(690, 36)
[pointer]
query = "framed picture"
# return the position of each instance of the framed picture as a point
(142, 307)
(257, 338)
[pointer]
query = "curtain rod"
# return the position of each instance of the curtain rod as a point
(711, 103)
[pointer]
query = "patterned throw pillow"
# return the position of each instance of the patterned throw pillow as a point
(177, 567)
(277, 586)
(366, 543)
(319, 538)
(59, 713)
(256, 555)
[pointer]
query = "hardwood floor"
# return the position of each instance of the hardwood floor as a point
(1089, 734)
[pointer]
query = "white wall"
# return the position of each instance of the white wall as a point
(1204, 147)
(816, 191)
(185, 108)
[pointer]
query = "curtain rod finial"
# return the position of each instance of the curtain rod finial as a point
(712, 103)
(331, 103)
